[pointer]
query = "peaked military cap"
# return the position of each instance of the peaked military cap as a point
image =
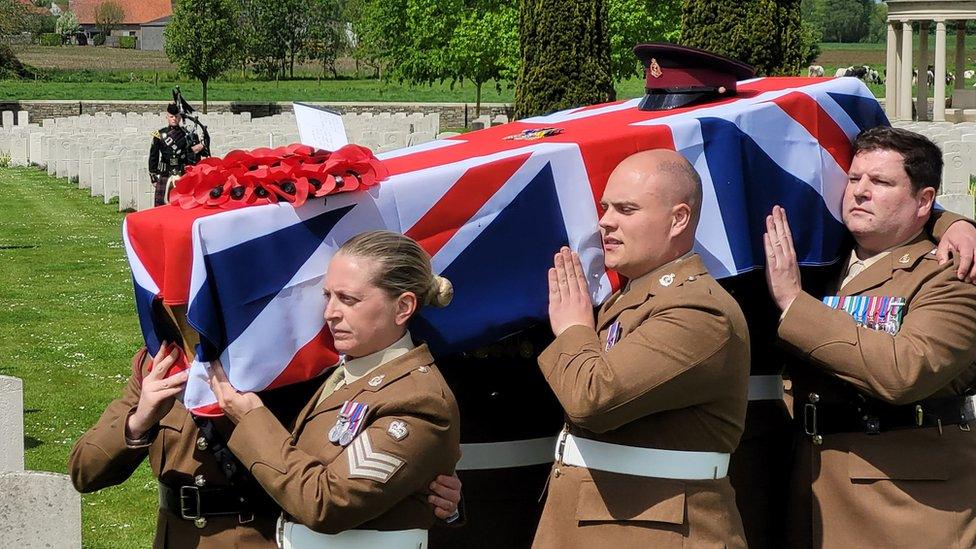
(678, 76)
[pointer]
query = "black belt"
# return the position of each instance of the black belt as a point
(874, 417)
(192, 502)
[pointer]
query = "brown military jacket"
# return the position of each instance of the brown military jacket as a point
(377, 482)
(675, 380)
(912, 487)
(100, 458)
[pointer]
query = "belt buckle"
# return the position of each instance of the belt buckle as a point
(969, 409)
(244, 518)
(810, 419)
(191, 493)
(561, 445)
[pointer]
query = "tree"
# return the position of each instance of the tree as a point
(841, 20)
(565, 56)
(484, 46)
(767, 34)
(108, 16)
(380, 30)
(202, 39)
(325, 37)
(633, 22)
(67, 25)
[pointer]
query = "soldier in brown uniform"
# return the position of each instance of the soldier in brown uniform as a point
(655, 390)
(355, 468)
(207, 499)
(883, 386)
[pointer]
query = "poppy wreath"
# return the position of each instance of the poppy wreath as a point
(267, 176)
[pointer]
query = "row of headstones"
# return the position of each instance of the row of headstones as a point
(8, 119)
(958, 144)
(37, 509)
(108, 153)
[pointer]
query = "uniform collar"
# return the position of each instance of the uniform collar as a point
(882, 266)
(417, 358)
(661, 280)
(357, 368)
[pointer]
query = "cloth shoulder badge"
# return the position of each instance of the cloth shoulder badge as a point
(613, 335)
(882, 313)
(365, 462)
(348, 424)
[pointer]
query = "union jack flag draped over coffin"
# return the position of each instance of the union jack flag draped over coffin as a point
(491, 212)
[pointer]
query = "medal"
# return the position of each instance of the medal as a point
(335, 433)
(613, 334)
(357, 412)
(883, 313)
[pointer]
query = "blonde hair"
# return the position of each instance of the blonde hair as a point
(402, 266)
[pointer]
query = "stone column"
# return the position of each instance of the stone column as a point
(11, 424)
(938, 110)
(905, 89)
(891, 71)
(960, 54)
(922, 89)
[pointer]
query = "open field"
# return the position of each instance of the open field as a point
(75, 73)
(68, 328)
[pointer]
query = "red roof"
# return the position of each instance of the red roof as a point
(136, 11)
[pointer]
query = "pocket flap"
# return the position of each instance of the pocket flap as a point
(631, 498)
(904, 460)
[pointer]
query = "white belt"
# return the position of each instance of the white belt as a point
(504, 455)
(766, 387)
(642, 462)
(292, 535)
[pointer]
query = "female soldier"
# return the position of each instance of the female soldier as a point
(354, 471)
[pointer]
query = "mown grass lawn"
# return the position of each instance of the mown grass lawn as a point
(365, 90)
(68, 328)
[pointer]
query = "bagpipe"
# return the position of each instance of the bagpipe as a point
(196, 130)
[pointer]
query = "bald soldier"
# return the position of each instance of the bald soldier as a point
(654, 391)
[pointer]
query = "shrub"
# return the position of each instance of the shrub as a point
(50, 39)
(127, 42)
(99, 40)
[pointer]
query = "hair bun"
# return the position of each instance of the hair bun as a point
(442, 291)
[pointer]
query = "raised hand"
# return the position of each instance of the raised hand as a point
(782, 270)
(233, 402)
(158, 392)
(569, 297)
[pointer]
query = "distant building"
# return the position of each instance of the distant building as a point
(144, 19)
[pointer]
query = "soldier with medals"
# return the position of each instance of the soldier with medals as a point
(207, 497)
(355, 469)
(883, 386)
(654, 390)
(173, 149)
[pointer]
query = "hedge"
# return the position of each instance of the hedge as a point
(127, 42)
(50, 39)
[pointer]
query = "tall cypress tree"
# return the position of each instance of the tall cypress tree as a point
(766, 34)
(565, 52)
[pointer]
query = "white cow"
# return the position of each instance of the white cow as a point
(815, 70)
(970, 73)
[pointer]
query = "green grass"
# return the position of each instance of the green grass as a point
(68, 328)
(256, 90)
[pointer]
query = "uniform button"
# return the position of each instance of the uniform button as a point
(201, 443)
(199, 480)
(692, 278)
(423, 369)
(495, 394)
(200, 522)
(556, 473)
(814, 398)
(817, 440)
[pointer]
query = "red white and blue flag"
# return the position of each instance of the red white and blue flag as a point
(491, 212)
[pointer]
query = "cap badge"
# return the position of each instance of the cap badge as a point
(375, 382)
(655, 69)
(666, 280)
(904, 259)
(397, 430)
